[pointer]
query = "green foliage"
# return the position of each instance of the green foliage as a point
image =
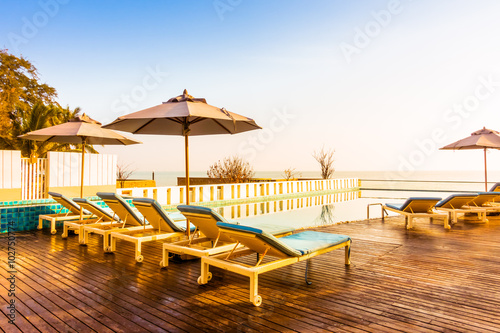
(20, 88)
(27, 105)
(35, 118)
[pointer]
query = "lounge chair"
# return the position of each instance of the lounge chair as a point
(459, 204)
(417, 207)
(99, 216)
(73, 212)
(285, 251)
(487, 201)
(495, 188)
(129, 220)
(162, 227)
(212, 241)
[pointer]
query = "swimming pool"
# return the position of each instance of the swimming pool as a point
(318, 210)
(303, 212)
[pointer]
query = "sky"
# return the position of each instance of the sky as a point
(383, 83)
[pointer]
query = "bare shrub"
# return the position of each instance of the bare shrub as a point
(325, 160)
(231, 170)
(124, 171)
(291, 173)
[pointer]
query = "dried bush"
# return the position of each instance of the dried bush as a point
(290, 174)
(325, 160)
(123, 171)
(231, 170)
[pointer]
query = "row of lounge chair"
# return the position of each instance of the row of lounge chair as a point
(479, 206)
(215, 240)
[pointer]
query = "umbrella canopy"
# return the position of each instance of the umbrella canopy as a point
(79, 130)
(184, 115)
(482, 139)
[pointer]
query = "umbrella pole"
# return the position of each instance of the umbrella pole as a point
(485, 173)
(81, 179)
(186, 147)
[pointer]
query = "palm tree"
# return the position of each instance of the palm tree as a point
(35, 118)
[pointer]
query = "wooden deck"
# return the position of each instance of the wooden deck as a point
(427, 279)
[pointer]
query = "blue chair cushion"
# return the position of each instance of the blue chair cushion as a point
(294, 245)
(311, 241)
(83, 201)
(113, 196)
(410, 200)
(202, 210)
(68, 203)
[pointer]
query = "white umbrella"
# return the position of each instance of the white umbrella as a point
(80, 130)
(187, 116)
(482, 139)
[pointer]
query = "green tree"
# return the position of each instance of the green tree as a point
(37, 117)
(20, 88)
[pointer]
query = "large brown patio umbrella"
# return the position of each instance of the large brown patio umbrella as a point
(79, 130)
(482, 139)
(187, 116)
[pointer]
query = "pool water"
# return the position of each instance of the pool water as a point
(304, 212)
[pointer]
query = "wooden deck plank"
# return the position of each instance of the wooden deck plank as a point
(422, 280)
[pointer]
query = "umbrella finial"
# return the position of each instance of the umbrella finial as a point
(84, 119)
(185, 97)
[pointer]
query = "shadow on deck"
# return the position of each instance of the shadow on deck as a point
(427, 279)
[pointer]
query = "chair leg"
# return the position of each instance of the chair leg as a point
(40, 223)
(308, 263)
(109, 243)
(348, 254)
(164, 260)
(409, 225)
(53, 226)
(254, 289)
(446, 223)
(205, 273)
(65, 231)
(138, 256)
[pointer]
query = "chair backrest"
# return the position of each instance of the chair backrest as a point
(258, 240)
(121, 208)
(205, 219)
(456, 201)
(419, 204)
(495, 188)
(484, 198)
(155, 215)
(66, 203)
(96, 210)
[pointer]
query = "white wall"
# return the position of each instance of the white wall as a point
(65, 169)
(10, 169)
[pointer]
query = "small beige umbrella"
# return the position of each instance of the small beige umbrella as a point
(80, 130)
(187, 116)
(482, 139)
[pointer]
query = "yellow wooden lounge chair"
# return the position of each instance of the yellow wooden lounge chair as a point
(212, 241)
(284, 251)
(417, 207)
(72, 213)
(99, 216)
(162, 225)
(457, 204)
(129, 220)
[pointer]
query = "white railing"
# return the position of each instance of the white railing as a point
(174, 195)
(33, 179)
